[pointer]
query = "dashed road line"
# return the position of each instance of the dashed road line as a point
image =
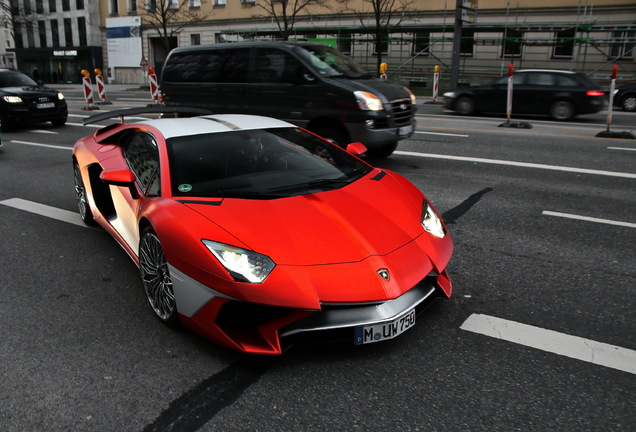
(575, 347)
(589, 219)
(42, 145)
(45, 210)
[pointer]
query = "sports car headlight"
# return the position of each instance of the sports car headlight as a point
(368, 101)
(13, 99)
(431, 222)
(244, 265)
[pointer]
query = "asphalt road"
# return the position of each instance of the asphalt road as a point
(539, 335)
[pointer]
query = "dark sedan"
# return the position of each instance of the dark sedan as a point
(625, 97)
(558, 94)
(23, 101)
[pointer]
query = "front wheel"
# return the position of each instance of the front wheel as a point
(80, 196)
(155, 276)
(59, 122)
(381, 152)
(465, 106)
(333, 135)
(562, 110)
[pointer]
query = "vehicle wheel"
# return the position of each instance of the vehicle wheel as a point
(562, 110)
(58, 122)
(381, 152)
(80, 196)
(333, 135)
(629, 103)
(155, 277)
(465, 106)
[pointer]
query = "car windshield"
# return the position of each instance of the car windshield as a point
(258, 164)
(15, 79)
(331, 63)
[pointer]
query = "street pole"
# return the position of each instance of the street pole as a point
(457, 42)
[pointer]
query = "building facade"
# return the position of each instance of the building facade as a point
(56, 39)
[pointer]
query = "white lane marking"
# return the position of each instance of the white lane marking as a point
(44, 131)
(42, 145)
(622, 148)
(442, 134)
(575, 347)
(519, 164)
(589, 219)
(44, 210)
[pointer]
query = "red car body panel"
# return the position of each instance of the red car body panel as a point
(328, 247)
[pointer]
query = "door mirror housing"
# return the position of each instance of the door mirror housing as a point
(356, 148)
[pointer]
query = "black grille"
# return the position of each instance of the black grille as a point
(402, 111)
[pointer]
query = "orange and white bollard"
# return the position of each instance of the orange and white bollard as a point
(383, 67)
(101, 87)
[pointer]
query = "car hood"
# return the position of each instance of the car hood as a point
(28, 90)
(366, 218)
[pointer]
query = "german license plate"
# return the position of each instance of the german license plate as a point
(45, 105)
(379, 332)
(405, 130)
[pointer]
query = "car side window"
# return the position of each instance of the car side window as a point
(276, 66)
(221, 66)
(567, 81)
(541, 79)
(142, 156)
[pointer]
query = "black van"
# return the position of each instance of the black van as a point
(311, 85)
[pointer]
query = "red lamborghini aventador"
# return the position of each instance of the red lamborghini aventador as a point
(256, 233)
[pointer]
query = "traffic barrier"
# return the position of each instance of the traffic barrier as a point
(101, 87)
(88, 91)
(154, 89)
(508, 123)
(383, 67)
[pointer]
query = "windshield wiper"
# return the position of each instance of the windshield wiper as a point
(312, 184)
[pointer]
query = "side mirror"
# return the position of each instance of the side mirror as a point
(356, 148)
(124, 177)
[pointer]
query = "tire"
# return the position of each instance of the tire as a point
(155, 277)
(629, 103)
(381, 152)
(332, 134)
(465, 106)
(80, 195)
(59, 122)
(562, 110)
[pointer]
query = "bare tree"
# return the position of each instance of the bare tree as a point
(286, 13)
(169, 17)
(385, 15)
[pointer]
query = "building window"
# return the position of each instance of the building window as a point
(565, 40)
(30, 35)
(622, 45)
(52, 6)
(27, 7)
(81, 29)
(195, 39)
(219, 3)
(79, 5)
(195, 4)
(66, 5)
(381, 46)
(68, 32)
(42, 33)
(113, 7)
(421, 43)
(174, 4)
(511, 45)
(132, 5)
(55, 34)
(18, 36)
(344, 44)
(467, 44)
(39, 6)
(151, 5)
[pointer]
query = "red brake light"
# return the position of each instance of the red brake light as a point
(595, 93)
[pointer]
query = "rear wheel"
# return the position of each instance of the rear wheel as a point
(155, 276)
(629, 103)
(80, 196)
(562, 110)
(465, 106)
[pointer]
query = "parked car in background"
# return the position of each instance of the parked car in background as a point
(625, 97)
(24, 101)
(558, 94)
